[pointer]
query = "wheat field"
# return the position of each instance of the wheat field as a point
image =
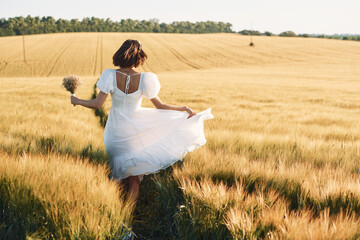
(282, 153)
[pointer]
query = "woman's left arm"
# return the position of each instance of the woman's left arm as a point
(95, 103)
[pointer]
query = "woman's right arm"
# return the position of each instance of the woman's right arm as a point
(161, 105)
(95, 103)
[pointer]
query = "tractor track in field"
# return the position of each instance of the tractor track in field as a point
(96, 54)
(178, 55)
(31, 46)
(57, 56)
(51, 59)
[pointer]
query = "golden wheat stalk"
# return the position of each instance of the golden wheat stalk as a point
(71, 83)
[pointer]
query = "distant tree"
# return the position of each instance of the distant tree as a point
(287, 34)
(155, 20)
(268, 33)
(49, 24)
(250, 32)
(345, 38)
(304, 35)
(156, 28)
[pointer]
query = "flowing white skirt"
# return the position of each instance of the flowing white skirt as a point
(148, 140)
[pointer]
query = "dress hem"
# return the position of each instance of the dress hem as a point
(122, 164)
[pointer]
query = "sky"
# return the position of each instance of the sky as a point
(300, 16)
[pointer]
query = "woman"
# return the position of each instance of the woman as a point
(141, 141)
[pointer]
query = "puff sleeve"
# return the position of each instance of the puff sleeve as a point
(151, 85)
(106, 81)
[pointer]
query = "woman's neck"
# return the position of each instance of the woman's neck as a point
(127, 70)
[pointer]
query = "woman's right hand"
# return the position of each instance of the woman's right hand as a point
(74, 100)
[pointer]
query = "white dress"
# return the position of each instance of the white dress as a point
(141, 141)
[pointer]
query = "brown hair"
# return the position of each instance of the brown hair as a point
(130, 54)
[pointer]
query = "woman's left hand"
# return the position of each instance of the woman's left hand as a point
(190, 112)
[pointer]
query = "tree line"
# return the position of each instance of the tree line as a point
(37, 25)
(306, 35)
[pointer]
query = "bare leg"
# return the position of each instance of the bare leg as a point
(134, 182)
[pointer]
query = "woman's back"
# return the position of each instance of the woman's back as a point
(121, 79)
